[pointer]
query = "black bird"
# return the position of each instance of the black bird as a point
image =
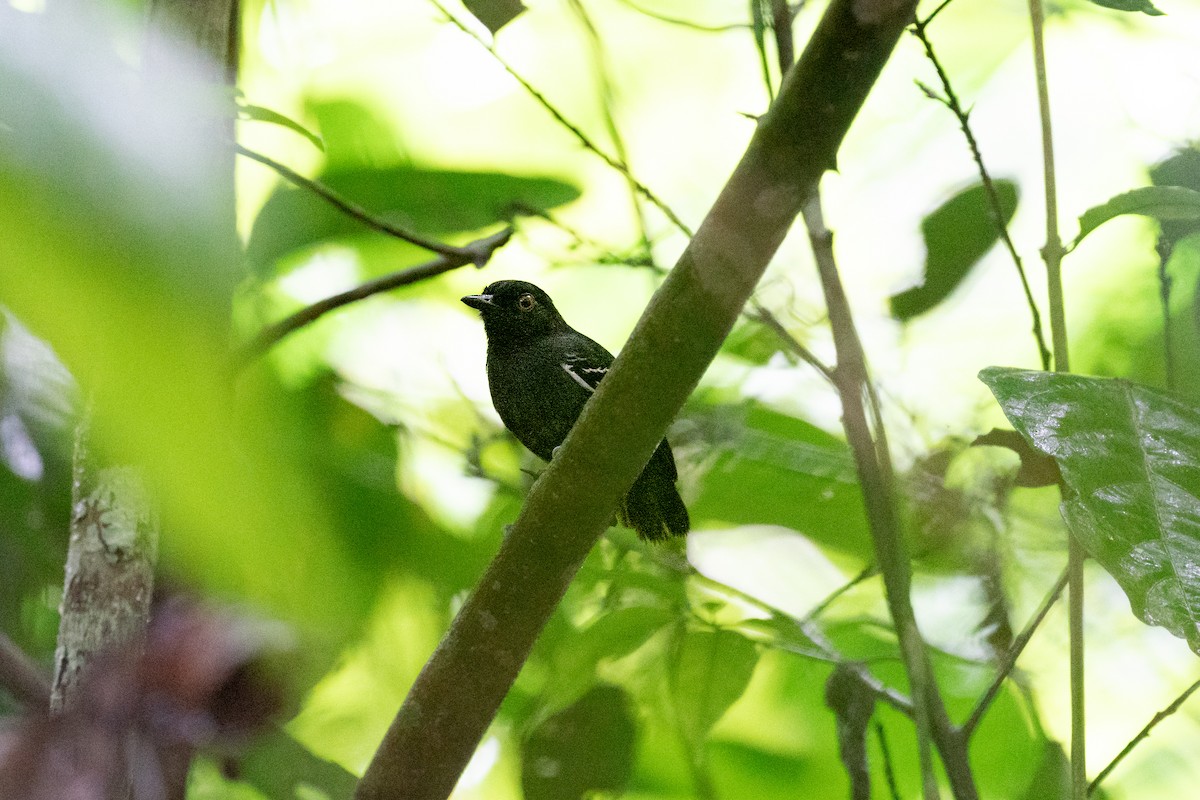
(541, 371)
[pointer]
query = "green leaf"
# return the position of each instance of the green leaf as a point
(586, 747)
(709, 671)
(957, 235)
(1144, 6)
(1160, 202)
(1131, 457)
(495, 14)
(773, 469)
(260, 114)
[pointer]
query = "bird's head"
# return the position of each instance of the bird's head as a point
(515, 310)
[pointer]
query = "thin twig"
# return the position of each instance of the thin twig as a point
(575, 130)
(474, 253)
(1164, 295)
(942, 7)
(825, 648)
(607, 97)
(684, 23)
(21, 677)
(356, 211)
(950, 100)
(868, 572)
(888, 771)
(762, 315)
(1143, 734)
(1052, 254)
(1011, 655)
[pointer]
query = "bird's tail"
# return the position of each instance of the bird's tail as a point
(653, 506)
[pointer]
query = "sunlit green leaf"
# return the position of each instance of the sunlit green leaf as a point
(957, 235)
(1160, 202)
(586, 747)
(1131, 457)
(260, 114)
(709, 672)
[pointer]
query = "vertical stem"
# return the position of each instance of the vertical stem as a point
(1052, 254)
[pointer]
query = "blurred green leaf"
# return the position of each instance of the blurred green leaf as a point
(586, 747)
(853, 705)
(1160, 202)
(771, 468)
(1144, 6)
(495, 14)
(279, 766)
(1131, 456)
(709, 671)
(121, 251)
(1180, 169)
(957, 235)
(260, 114)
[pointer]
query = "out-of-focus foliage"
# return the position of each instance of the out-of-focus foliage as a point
(354, 482)
(957, 235)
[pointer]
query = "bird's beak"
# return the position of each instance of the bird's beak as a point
(479, 301)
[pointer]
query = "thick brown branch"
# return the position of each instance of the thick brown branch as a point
(458, 692)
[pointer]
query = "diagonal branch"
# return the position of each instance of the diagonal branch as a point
(457, 694)
(476, 252)
(1176, 704)
(352, 209)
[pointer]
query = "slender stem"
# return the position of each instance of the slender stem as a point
(762, 315)
(885, 752)
(685, 23)
(607, 99)
(23, 679)
(1010, 658)
(951, 101)
(272, 334)
(1052, 254)
(1176, 704)
(891, 553)
(1164, 295)
(352, 209)
(575, 130)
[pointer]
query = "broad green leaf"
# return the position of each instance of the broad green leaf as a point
(709, 672)
(1144, 6)
(1160, 202)
(1131, 457)
(1182, 168)
(260, 114)
(773, 469)
(957, 235)
(586, 747)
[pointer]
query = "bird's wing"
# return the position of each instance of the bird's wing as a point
(584, 369)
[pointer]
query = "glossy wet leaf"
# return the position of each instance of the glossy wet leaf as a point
(957, 235)
(586, 747)
(1164, 203)
(1131, 457)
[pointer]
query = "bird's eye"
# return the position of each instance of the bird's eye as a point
(526, 302)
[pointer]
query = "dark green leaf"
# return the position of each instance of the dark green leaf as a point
(1144, 6)
(1037, 469)
(1180, 169)
(495, 14)
(260, 114)
(957, 235)
(1160, 202)
(427, 202)
(278, 766)
(1131, 456)
(586, 747)
(709, 672)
